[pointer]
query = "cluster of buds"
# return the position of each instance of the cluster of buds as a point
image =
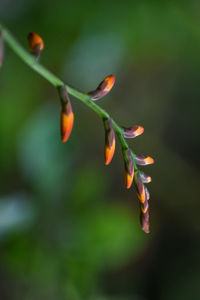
(131, 160)
(140, 179)
(132, 174)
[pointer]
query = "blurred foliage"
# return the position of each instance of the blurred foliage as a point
(68, 228)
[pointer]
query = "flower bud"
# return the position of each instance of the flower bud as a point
(104, 88)
(143, 160)
(36, 44)
(133, 131)
(109, 147)
(129, 168)
(145, 178)
(67, 116)
(144, 221)
(144, 206)
(1, 48)
(140, 188)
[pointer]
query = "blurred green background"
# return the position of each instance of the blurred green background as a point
(68, 227)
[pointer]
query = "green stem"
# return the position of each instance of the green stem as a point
(57, 82)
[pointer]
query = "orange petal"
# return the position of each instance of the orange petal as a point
(109, 152)
(67, 121)
(149, 160)
(110, 80)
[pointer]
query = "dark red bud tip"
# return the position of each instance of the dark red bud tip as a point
(109, 148)
(144, 221)
(143, 160)
(36, 44)
(104, 88)
(1, 49)
(133, 131)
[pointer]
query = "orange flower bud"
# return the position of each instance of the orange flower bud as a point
(109, 147)
(67, 121)
(36, 44)
(133, 131)
(1, 49)
(144, 221)
(67, 116)
(143, 160)
(129, 168)
(104, 88)
(145, 178)
(140, 188)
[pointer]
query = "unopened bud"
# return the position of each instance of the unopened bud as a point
(143, 160)
(104, 88)
(145, 178)
(1, 48)
(129, 168)
(144, 221)
(109, 147)
(36, 44)
(133, 131)
(140, 188)
(147, 193)
(67, 116)
(144, 206)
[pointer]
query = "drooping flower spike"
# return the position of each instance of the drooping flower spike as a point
(131, 160)
(103, 88)
(143, 160)
(1, 49)
(109, 147)
(67, 116)
(129, 168)
(36, 44)
(132, 132)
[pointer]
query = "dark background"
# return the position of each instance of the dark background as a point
(68, 227)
